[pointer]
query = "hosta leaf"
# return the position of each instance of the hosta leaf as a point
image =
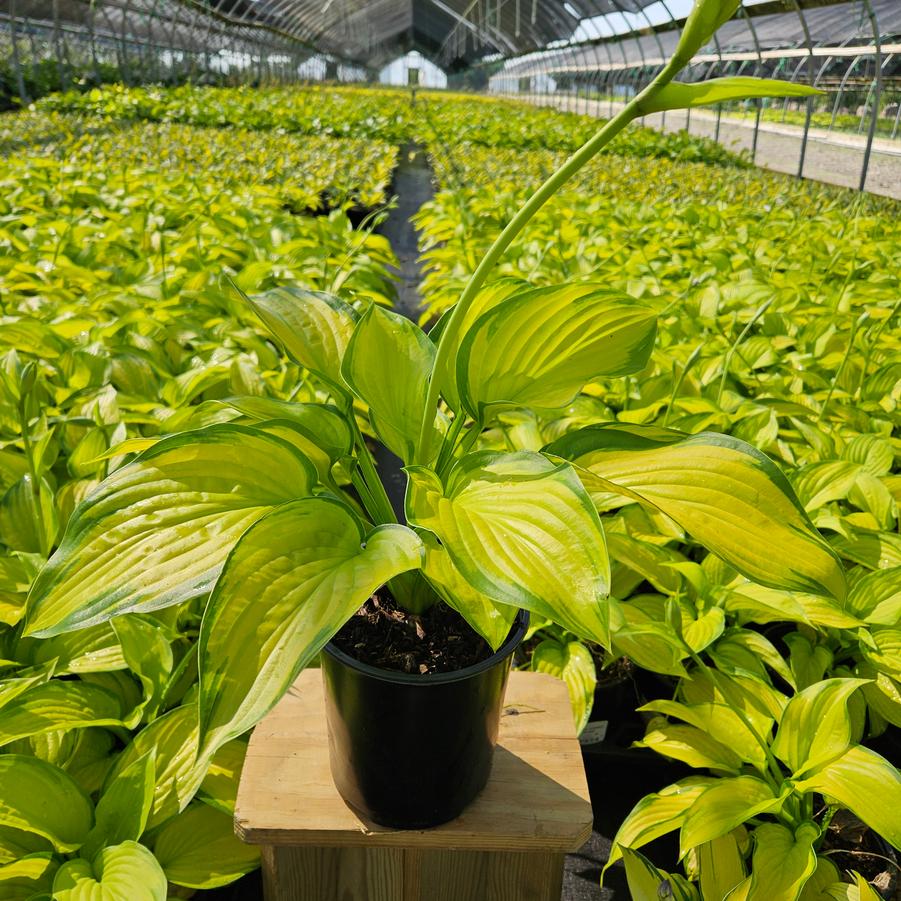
(32, 336)
(815, 726)
(859, 890)
(156, 532)
(173, 739)
(310, 565)
(487, 298)
(759, 604)
(808, 661)
(12, 688)
(819, 483)
(872, 495)
(647, 883)
(83, 460)
(539, 348)
(874, 550)
(690, 745)
(313, 327)
(28, 877)
(16, 844)
(40, 798)
(867, 784)
(126, 872)
(94, 649)
(873, 452)
(289, 431)
(782, 862)
(199, 849)
(491, 620)
(883, 694)
(704, 630)
(122, 811)
(572, 662)
(723, 806)
(882, 648)
(656, 814)
(322, 424)
(720, 866)
(745, 652)
(650, 560)
(521, 531)
(388, 364)
(149, 657)
(58, 705)
(13, 466)
(759, 701)
(823, 611)
(90, 760)
(29, 520)
(825, 874)
(679, 95)
(652, 646)
(727, 494)
(219, 788)
(876, 597)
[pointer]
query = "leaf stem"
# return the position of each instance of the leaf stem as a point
(448, 445)
(35, 476)
(841, 367)
(359, 483)
(727, 362)
(592, 147)
(677, 384)
(378, 505)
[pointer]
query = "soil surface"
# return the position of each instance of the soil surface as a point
(438, 641)
(851, 845)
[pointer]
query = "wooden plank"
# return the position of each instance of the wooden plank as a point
(486, 876)
(536, 799)
(393, 874)
(333, 874)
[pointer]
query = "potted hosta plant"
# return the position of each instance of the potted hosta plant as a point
(282, 520)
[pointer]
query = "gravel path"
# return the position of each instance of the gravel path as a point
(833, 158)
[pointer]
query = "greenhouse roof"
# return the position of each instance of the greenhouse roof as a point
(374, 30)
(461, 31)
(571, 34)
(835, 30)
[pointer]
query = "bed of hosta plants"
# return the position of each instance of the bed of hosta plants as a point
(117, 327)
(436, 118)
(777, 308)
(847, 122)
(309, 173)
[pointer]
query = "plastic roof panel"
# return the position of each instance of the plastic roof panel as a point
(462, 31)
(840, 24)
(454, 33)
(368, 30)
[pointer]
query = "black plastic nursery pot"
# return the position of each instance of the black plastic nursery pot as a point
(411, 751)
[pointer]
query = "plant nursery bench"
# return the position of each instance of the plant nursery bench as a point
(508, 845)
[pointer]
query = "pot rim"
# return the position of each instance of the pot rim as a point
(515, 636)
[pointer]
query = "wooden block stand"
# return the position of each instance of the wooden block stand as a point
(507, 846)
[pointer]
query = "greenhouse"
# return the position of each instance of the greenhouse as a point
(450, 450)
